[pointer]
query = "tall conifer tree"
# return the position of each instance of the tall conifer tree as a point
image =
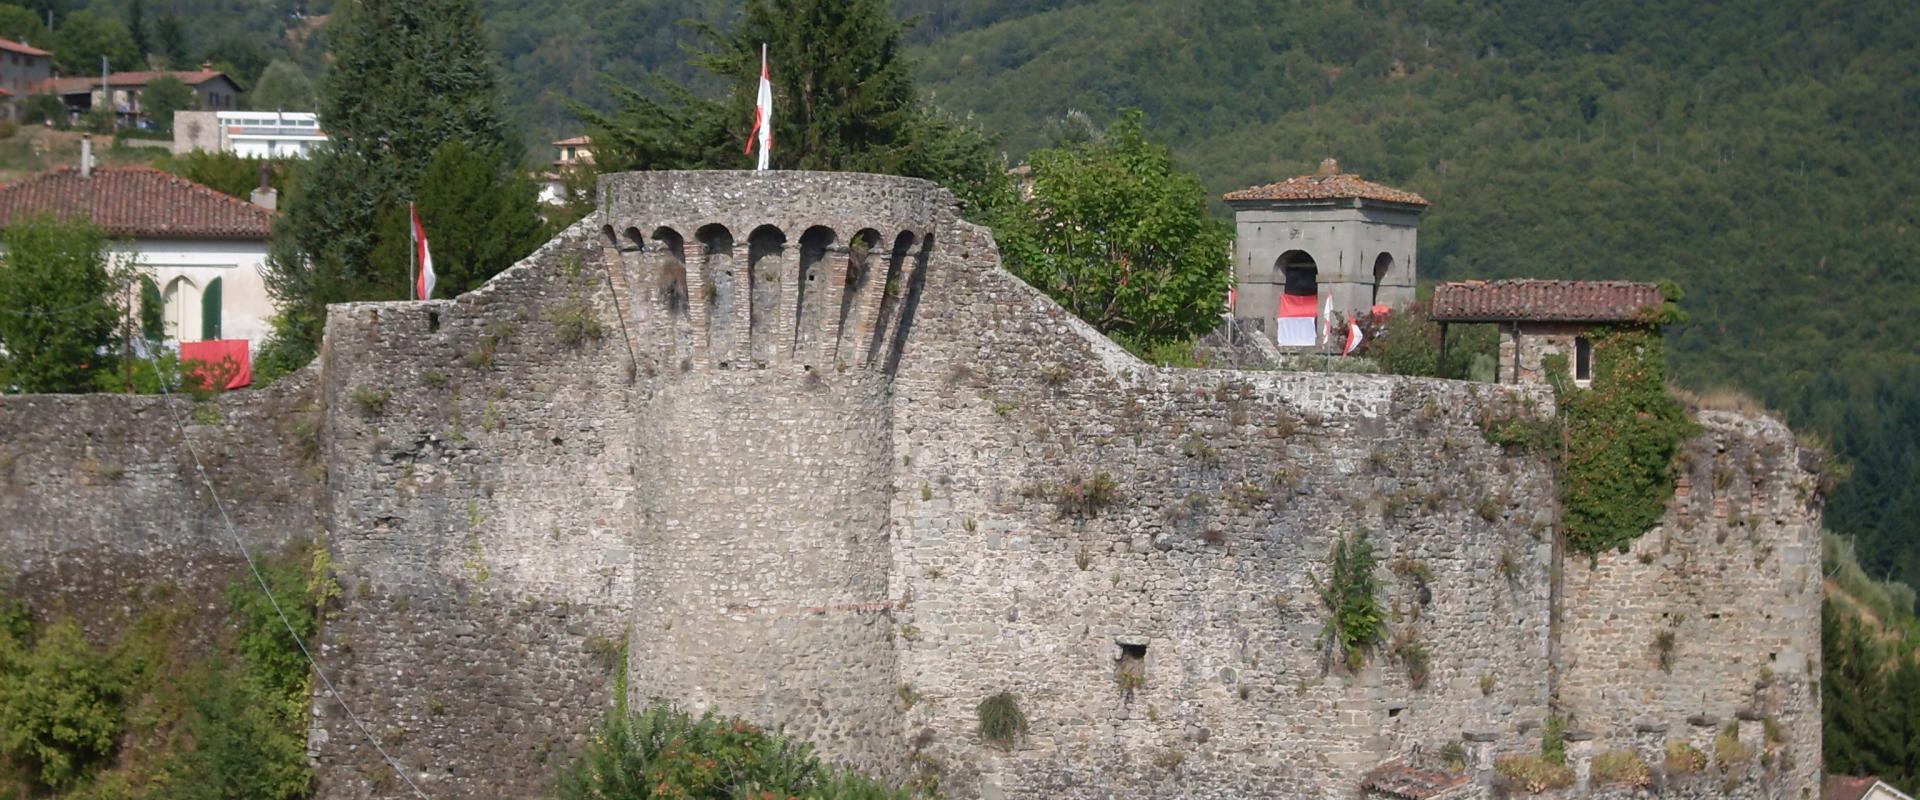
(406, 79)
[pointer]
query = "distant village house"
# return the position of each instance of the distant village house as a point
(203, 249)
(249, 134)
(22, 69)
(1539, 319)
(572, 155)
(80, 95)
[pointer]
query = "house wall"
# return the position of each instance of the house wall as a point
(246, 308)
(20, 72)
(1525, 347)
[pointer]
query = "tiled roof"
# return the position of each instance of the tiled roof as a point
(136, 202)
(1409, 783)
(12, 46)
(577, 141)
(1327, 184)
(1842, 787)
(124, 79)
(1544, 301)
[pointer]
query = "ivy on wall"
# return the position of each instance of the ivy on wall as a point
(1618, 441)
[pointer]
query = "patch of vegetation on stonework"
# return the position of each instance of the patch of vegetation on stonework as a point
(145, 716)
(1085, 497)
(1533, 774)
(1002, 723)
(1684, 759)
(371, 402)
(1621, 768)
(664, 752)
(1355, 622)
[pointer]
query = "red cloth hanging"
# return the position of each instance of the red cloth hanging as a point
(210, 360)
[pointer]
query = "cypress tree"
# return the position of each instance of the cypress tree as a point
(406, 79)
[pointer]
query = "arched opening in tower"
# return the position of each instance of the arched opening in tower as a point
(1299, 306)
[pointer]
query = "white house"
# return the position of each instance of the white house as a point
(575, 157)
(249, 134)
(1840, 787)
(203, 249)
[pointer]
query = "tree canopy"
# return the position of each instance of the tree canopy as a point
(165, 95)
(62, 305)
(283, 86)
(1121, 238)
(80, 41)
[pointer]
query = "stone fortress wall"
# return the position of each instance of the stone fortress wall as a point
(791, 443)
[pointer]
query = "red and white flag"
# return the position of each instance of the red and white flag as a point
(422, 258)
(1233, 298)
(762, 116)
(1354, 337)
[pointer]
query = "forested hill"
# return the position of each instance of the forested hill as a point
(1758, 152)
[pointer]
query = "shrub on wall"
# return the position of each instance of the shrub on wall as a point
(1001, 720)
(1354, 622)
(664, 752)
(60, 709)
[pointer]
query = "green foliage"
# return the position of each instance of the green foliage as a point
(1621, 767)
(1354, 622)
(1002, 723)
(1869, 691)
(481, 216)
(61, 305)
(844, 97)
(1553, 739)
(1616, 474)
(45, 108)
(164, 96)
(1408, 343)
(663, 752)
(60, 710)
(22, 25)
(1086, 496)
(83, 37)
(230, 174)
(1119, 237)
(407, 78)
(283, 86)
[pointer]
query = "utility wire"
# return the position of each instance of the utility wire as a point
(271, 600)
(607, 269)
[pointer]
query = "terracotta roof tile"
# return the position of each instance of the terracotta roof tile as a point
(1842, 787)
(1544, 301)
(577, 141)
(124, 79)
(136, 202)
(1409, 783)
(12, 46)
(1327, 184)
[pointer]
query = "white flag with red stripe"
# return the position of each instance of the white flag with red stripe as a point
(762, 116)
(1354, 337)
(422, 258)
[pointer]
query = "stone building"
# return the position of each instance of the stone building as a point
(801, 443)
(1332, 236)
(1541, 318)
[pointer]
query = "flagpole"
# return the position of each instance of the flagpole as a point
(413, 253)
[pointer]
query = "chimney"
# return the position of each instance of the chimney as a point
(86, 155)
(264, 195)
(1328, 168)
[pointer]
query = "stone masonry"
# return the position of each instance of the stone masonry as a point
(795, 445)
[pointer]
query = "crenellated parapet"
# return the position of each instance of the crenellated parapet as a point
(745, 270)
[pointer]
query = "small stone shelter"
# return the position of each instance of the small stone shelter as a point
(1330, 237)
(1539, 318)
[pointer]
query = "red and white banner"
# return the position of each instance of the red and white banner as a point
(1354, 337)
(1233, 301)
(422, 258)
(1295, 317)
(762, 133)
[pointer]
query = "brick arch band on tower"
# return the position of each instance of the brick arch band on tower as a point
(708, 296)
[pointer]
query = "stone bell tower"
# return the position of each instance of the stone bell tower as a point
(1329, 237)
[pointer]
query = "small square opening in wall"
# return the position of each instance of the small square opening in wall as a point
(1130, 670)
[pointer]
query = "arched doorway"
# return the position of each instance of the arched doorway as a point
(1299, 299)
(182, 302)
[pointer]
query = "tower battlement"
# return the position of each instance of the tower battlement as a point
(744, 270)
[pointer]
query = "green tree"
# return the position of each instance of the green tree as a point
(1117, 235)
(170, 40)
(85, 36)
(22, 25)
(663, 752)
(283, 86)
(63, 304)
(481, 217)
(406, 79)
(230, 174)
(59, 702)
(844, 99)
(164, 96)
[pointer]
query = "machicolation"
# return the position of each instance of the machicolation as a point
(801, 445)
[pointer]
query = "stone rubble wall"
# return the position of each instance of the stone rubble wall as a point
(792, 446)
(103, 513)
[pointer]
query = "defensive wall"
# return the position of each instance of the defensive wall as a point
(795, 446)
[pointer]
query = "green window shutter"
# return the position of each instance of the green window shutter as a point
(153, 310)
(210, 310)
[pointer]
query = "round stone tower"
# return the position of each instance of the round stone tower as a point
(767, 312)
